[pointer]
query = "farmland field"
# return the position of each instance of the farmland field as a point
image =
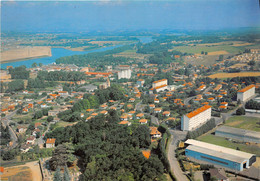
(17, 173)
(199, 49)
(231, 75)
(244, 122)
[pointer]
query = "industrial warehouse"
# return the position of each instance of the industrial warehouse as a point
(218, 155)
(238, 134)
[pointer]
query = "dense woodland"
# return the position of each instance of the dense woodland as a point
(108, 151)
(61, 76)
(5, 136)
(19, 72)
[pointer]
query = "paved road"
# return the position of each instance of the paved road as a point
(40, 140)
(175, 166)
(6, 120)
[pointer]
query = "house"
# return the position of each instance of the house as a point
(211, 99)
(143, 121)
(132, 100)
(53, 112)
(125, 123)
(222, 107)
(37, 124)
(146, 153)
(88, 118)
(139, 115)
(131, 112)
(166, 113)
(151, 106)
(219, 174)
(50, 143)
(21, 129)
(81, 115)
(30, 140)
(224, 104)
(156, 100)
(43, 106)
(155, 133)
(25, 148)
(157, 110)
(124, 117)
(63, 93)
(103, 112)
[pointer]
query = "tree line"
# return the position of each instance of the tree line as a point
(61, 76)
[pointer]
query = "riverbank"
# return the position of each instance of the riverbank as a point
(25, 53)
(22, 59)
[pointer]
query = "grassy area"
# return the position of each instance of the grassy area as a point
(61, 124)
(198, 49)
(209, 138)
(244, 122)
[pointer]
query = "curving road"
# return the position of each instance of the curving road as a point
(175, 166)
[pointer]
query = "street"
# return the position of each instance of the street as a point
(175, 166)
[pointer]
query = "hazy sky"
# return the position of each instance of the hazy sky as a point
(128, 15)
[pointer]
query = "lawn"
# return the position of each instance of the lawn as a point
(209, 138)
(198, 49)
(244, 122)
(62, 124)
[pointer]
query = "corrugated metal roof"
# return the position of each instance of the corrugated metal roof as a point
(220, 149)
(217, 154)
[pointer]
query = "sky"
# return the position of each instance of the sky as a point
(118, 15)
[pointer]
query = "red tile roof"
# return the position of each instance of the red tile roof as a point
(246, 88)
(198, 111)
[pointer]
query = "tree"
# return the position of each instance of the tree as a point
(206, 53)
(66, 176)
(62, 156)
(202, 52)
(34, 65)
(15, 85)
(240, 111)
(221, 58)
(50, 118)
(40, 64)
(57, 175)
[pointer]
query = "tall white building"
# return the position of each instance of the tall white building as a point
(246, 93)
(124, 74)
(195, 118)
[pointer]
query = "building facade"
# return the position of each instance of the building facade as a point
(124, 74)
(195, 118)
(218, 156)
(159, 83)
(246, 93)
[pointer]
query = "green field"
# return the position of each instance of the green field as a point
(209, 138)
(198, 49)
(244, 122)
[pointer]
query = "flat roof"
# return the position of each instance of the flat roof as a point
(217, 154)
(226, 151)
(238, 131)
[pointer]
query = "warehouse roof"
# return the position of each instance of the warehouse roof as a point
(218, 154)
(219, 149)
(240, 132)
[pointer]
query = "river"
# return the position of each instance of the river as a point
(62, 52)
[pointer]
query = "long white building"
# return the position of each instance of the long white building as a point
(246, 93)
(159, 83)
(195, 118)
